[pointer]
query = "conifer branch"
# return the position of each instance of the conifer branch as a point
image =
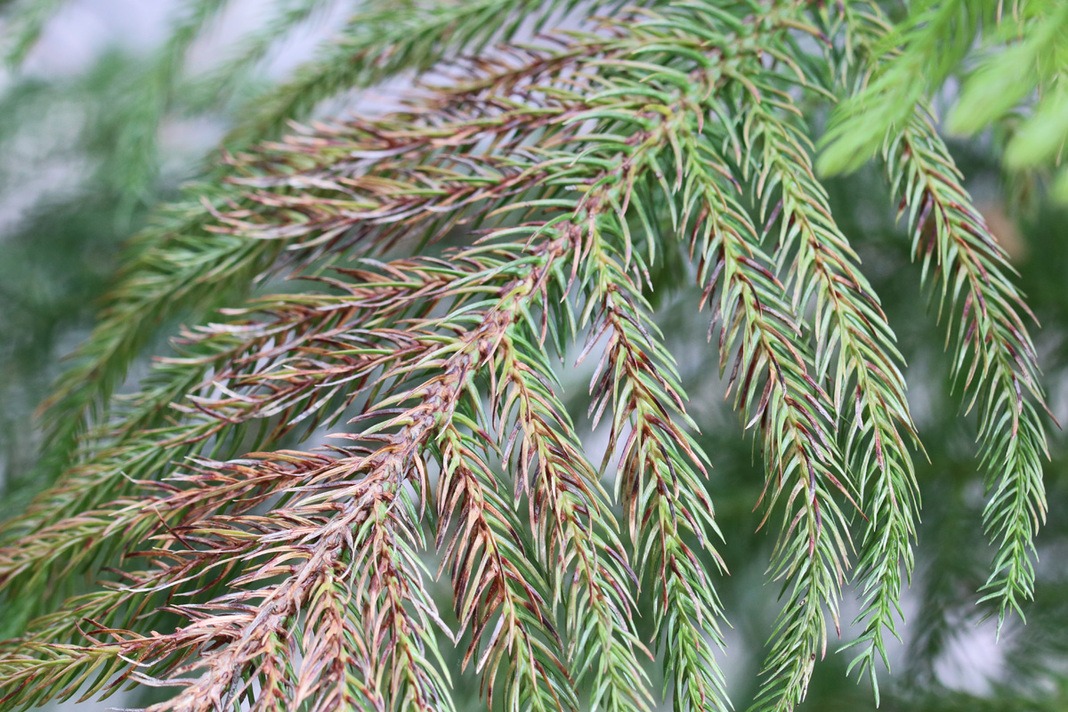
(492, 577)
(932, 42)
(774, 387)
(660, 480)
(386, 40)
(855, 353)
(178, 270)
(576, 536)
(994, 359)
(387, 470)
(186, 540)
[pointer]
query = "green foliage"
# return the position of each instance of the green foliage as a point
(380, 305)
(1020, 59)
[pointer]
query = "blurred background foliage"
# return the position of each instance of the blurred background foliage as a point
(97, 126)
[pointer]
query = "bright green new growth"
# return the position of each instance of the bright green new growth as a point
(446, 257)
(1020, 60)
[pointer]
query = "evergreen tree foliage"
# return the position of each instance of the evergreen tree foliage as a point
(371, 399)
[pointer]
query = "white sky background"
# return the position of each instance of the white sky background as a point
(84, 29)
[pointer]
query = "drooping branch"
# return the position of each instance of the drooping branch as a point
(772, 378)
(993, 356)
(856, 353)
